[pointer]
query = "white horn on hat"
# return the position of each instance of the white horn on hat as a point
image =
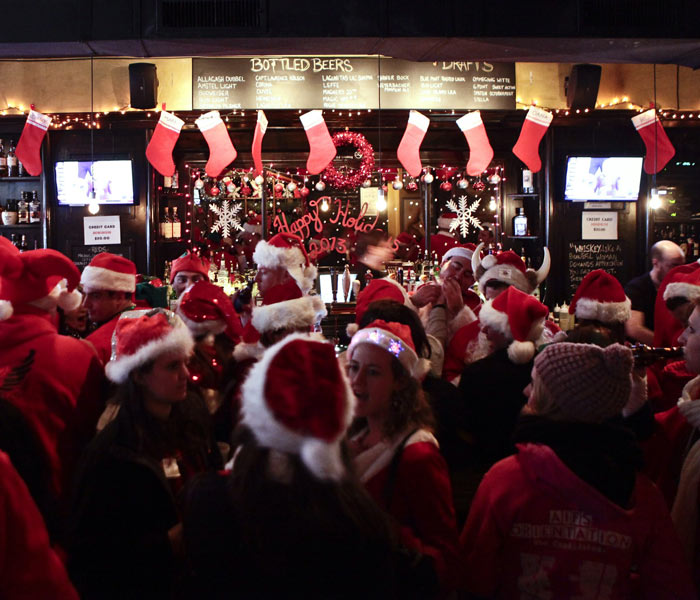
(476, 260)
(543, 271)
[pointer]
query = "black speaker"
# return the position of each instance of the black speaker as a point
(582, 86)
(143, 85)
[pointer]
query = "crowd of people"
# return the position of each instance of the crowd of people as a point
(461, 446)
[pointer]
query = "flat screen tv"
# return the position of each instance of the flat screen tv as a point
(604, 179)
(111, 180)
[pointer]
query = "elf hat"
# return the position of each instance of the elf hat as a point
(509, 268)
(206, 309)
(43, 278)
(683, 282)
(108, 271)
(445, 220)
(396, 339)
(465, 251)
(296, 399)
(377, 289)
(285, 307)
(189, 261)
(287, 250)
(143, 335)
(600, 297)
(518, 316)
(253, 224)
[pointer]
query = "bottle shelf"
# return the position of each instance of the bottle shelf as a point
(21, 226)
(28, 178)
(172, 240)
(523, 195)
(523, 237)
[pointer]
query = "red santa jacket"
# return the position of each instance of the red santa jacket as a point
(421, 501)
(55, 381)
(535, 529)
(29, 568)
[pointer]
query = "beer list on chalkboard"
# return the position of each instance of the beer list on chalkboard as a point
(345, 82)
(585, 257)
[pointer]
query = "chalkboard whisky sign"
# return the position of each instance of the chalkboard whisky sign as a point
(347, 82)
(81, 254)
(585, 257)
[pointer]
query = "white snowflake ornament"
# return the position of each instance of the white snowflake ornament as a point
(227, 218)
(465, 215)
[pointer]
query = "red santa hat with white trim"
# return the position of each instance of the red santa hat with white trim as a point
(206, 309)
(191, 262)
(253, 224)
(683, 282)
(465, 251)
(520, 318)
(507, 267)
(143, 335)
(297, 400)
(445, 220)
(601, 297)
(112, 272)
(285, 307)
(40, 278)
(377, 289)
(287, 250)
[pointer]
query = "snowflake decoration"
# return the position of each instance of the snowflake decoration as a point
(465, 215)
(395, 348)
(227, 218)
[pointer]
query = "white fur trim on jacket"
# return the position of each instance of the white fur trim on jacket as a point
(290, 314)
(292, 259)
(105, 279)
(6, 310)
(683, 290)
(244, 351)
(322, 458)
(605, 312)
(179, 339)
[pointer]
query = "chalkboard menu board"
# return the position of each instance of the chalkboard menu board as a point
(344, 82)
(585, 257)
(82, 255)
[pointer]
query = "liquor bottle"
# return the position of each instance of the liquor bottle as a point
(36, 244)
(647, 355)
(167, 182)
(523, 255)
(175, 181)
(528, 185)
(347, 283)
(519, 222)
(212, 271)
(399, 276)
(23, 209)
(166, 225)
(222, 273)
(177, 224)
(23, 244)
(34, 208)
(12, 165)
(3, 160)
(13, 240)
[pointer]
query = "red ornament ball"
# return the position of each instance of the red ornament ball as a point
(214, 191)
(446, 186)
(411, 186)
(279, 188)
(246, 191)
(479, 186)
(304, 192)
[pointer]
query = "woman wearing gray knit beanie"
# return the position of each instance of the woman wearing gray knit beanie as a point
(570, 515)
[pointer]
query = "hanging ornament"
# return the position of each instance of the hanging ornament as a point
(259, 179)
(411, 186)
(446, 186)
(246, 191)
(397, 184)
(320, 186)
(428, 178)
(291, 186)
(494, 179)
(214, 191)
(353, 177)
(367, 183)
(227, 218)
(479, 186)
(465, 215)
(199, 184)
(462, 184)
(230, 187)
(279, 188)
(304, 192)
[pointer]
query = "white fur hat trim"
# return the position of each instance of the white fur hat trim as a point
(289, 314)
(683, 290)
(505, 273)
(605, 312)
(394, 345)
(322, 458)
(292, 259)
(105, 279)
(6, 310)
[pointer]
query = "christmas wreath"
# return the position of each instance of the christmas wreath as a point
(352, 178)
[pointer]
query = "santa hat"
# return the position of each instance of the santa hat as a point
(298, 400)
(287, 250)
(445, 220)
(253, 224)
(518, 316)
(206, 309)
(143, 335)
(509, 268)
(683, 282)
(465, 251)
(601, 297)
(396, 339)
(191, 262)
(406, 238)
(108, 271)
(43, 278)
(377, 289)
(285, 307)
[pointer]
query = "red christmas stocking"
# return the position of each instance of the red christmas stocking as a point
(29, 146)
(160, 149)
(480, 151)
(527, 148)
(409, 147)
(659, 147)
(260, 128)
(322, 149)
(221, 150)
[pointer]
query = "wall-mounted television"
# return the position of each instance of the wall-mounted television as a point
(111, 180)
(604, 179)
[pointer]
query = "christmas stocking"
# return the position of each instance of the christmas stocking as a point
(160, 149)
(527, 148)
(260, 129)
(221, 150)
(480, 151)
(29, 146)
(659, 147)
(409, 147)
(322, 148)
